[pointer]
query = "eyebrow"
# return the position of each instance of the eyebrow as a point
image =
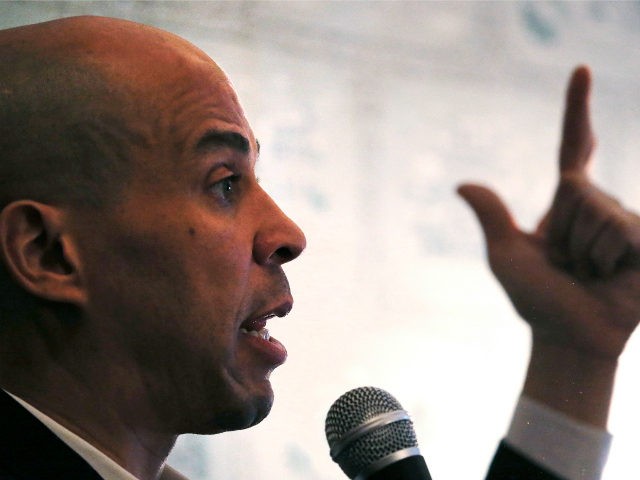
(214, 139)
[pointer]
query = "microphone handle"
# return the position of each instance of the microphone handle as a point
(410, 468)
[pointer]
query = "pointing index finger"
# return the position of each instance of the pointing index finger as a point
(578, 140)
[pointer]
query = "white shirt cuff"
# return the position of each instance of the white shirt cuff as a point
(570, 449)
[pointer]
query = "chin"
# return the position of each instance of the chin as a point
(244, 414)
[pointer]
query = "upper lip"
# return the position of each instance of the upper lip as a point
(259, 320)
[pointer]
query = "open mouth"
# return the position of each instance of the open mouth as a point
(263, 333)
(258, 337)
(257, 326)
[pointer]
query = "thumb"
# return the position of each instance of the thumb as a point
(494, 217)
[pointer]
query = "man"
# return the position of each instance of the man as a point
(142, 261)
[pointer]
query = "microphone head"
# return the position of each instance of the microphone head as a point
(365, 427)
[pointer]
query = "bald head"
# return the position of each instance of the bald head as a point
(78, 97)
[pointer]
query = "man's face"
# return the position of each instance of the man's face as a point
(184, 271)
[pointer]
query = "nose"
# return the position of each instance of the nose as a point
(278, 240)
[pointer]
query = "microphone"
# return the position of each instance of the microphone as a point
(371, 437)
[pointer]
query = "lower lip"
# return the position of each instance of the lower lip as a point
(272, 350)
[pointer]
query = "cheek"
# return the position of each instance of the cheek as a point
(133, 276)
(222, 288)
(220, 261)
(191, 278)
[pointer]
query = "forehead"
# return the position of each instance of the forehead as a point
(203, 116)
(201, 99)
(186, 104)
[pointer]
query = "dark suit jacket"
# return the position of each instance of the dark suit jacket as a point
(510, 465)
(30, 451)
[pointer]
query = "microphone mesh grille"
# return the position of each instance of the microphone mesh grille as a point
(357, 407)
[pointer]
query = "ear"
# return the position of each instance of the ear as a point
(39, 253)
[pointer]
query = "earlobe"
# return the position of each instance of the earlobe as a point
(39, 253)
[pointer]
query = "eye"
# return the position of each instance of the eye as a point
(225, 189)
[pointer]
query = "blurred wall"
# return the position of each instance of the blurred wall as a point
(369, 114)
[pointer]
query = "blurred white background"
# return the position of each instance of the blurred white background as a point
(369, 114)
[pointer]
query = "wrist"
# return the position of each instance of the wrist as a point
(572, 381)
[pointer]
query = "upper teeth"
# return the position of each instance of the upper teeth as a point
(263, 333)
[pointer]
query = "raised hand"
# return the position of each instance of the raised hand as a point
(576, 279)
